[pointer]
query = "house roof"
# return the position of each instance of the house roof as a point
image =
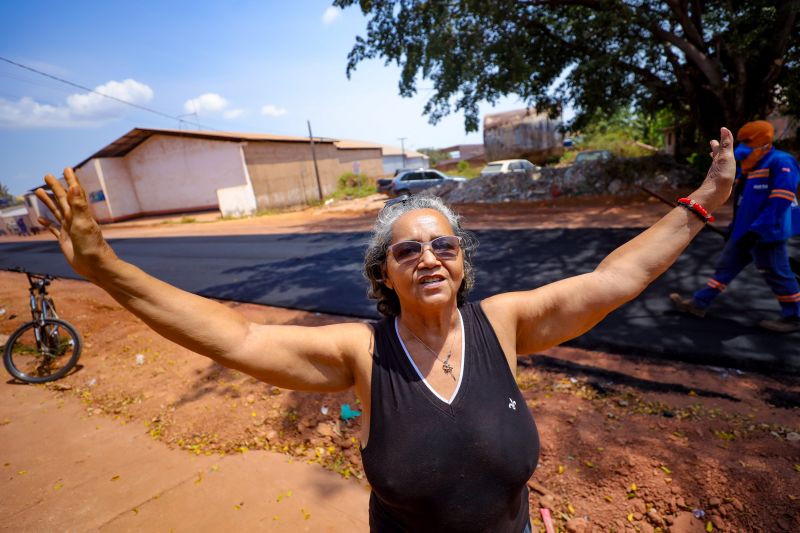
(137, 136)
(386, 149)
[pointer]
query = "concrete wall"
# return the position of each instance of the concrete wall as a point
(522, 134)
(369, 161)
(282, 173)
(393, 162)
(91, 177)
(236, 201)
(120, 192)
(172, 174)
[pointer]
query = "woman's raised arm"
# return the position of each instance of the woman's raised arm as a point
(535, 320)
(286, 356)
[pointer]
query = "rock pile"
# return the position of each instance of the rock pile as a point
(616, 177)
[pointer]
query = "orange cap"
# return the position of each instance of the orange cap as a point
(756, 134)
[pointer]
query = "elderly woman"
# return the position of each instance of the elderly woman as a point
(447, 441)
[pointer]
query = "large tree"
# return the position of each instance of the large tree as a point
(711, 62)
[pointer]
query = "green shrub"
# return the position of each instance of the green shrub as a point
(350, 185)
(465, 170)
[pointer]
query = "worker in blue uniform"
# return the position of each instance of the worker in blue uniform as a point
(766, 215)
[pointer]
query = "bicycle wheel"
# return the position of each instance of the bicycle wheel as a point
(38, 353)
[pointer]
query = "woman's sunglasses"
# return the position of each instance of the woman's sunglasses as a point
(445, 247)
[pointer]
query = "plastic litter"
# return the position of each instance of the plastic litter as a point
(323, 410)
(699, 513)
(346, 413)
(92, 382)
(139, 359)
(548, 520)
(2, 311)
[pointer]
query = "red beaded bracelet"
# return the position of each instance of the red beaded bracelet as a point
(696, 208)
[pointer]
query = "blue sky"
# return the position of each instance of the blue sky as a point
(241, 65)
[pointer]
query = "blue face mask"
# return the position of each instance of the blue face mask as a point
(741, 152)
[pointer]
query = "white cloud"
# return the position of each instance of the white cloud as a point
(212, 103)
(233, 113)
(208, 102)
(272, 111)
(330, 15)
(80, 110)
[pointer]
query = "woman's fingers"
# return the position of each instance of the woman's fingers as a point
(48, 202)
(714, 148)
(75, 191)
(61, 197)
(48, 224)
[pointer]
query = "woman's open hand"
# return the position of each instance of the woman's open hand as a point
(716, 188)
(78, 234)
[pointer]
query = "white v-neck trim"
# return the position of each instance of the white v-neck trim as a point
(425, 381)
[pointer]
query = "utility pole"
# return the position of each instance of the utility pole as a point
(314, 156)
(403, 148)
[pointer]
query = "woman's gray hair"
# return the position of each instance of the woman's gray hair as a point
(378, 247)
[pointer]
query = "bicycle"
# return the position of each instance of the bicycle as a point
(46, 348)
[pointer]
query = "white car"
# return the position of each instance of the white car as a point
(510, 166)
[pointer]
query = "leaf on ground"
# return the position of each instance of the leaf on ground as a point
(199, 478)
(306, 514)
(114, 478)
(797, 467)
(214, 467)
(23, 472)
(666, 470)
(630, 517)
(709, 526)
(609, 499)
(589, 464)
(58, 486)
(561, 469)
(135, 510)
(570, 508)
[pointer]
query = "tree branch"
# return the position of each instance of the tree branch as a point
(710, 70)
(691, 31)
(780, 41)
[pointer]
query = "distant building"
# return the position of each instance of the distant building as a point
(473, 154)
(522, 134)
(161, 171)
(393, 157)
(11, 216)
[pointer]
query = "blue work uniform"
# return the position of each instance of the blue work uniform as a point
(766, 215)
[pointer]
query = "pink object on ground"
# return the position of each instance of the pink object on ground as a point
(548, 521)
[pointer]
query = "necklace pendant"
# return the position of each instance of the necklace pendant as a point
(447, 367)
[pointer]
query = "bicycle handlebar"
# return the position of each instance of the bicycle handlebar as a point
(32, 275)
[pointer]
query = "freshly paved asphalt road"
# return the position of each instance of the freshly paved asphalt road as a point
(321, 272)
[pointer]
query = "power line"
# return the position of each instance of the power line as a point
(120, 100)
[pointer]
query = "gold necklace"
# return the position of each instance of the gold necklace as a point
(446, 366)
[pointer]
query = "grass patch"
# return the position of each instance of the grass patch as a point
(353, 186)
(465, 170)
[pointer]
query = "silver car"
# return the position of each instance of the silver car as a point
(510, 166)
(414, 181)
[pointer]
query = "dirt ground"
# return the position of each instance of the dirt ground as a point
(628, 444)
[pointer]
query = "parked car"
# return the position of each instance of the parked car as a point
(590, 156)
(414, 181)
(509, 166)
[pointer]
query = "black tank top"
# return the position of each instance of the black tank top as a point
(439, 466)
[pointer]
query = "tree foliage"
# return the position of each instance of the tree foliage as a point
(6, 198)
(709, 62)
(435, 156)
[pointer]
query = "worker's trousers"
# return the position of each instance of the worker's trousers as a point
(771, 259)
